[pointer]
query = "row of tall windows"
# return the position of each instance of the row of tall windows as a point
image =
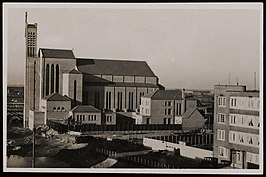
(86, 118)
(246, 139)
(52, 85)
(246, 103)
(247, 121)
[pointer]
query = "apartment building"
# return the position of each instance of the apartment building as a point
(236, 125)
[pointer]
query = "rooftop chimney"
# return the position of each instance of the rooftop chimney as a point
(183, 93)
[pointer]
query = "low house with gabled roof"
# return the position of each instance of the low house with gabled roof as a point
(86, 114)
(56, 107)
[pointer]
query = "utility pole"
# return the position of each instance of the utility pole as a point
(254, 80)
(33, 147)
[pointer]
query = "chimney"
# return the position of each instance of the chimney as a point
(183, 93)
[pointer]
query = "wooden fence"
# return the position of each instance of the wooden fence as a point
(62, 128)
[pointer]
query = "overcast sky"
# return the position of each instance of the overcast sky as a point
(187, 46)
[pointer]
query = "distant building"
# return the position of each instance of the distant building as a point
(15, 105)
(169, 107)
(236, 125)
(205, 103)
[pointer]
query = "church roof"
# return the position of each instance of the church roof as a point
(56, 97)
(165, 95)
(114, 67)
(123, 84)
(85, 108)
(57, 53)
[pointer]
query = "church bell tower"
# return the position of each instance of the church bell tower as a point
(31, 66)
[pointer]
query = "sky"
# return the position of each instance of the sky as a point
(192, 46)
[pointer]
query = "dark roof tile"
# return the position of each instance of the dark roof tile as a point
(85, 108)
(56, 97)
(114, 67)
(57, 53)
(165, 95)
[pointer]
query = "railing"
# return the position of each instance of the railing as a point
(138, 161)
(120, 127)
(190, 138)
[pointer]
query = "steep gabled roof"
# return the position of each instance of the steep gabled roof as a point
(189, 112)
(192, 119)
(165, 95)
(114, 67)
(74, 71)
(85, 108)
(56, 97)
(57, 53)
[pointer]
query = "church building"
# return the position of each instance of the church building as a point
(106, 84)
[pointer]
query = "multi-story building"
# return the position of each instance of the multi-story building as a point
(236, 125)
(15, 105)
(170, 107)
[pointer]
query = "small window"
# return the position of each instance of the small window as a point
(54, 109)
(63, 109)
(94, 117)
(58, 108)
(169, 111)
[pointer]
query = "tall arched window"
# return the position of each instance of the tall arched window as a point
(52, 78)
(129, 100)
(110, 96)
(106, 100)
(132, 96)
(57, 78)
(118, 100)
(121, 98)
(47, 79)
(75, 90)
